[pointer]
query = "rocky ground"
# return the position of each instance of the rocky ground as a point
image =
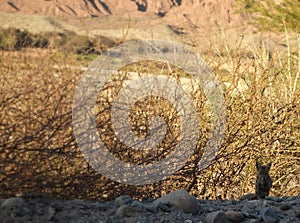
(178, 206)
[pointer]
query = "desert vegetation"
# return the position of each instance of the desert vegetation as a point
(274, 15)
(65, 42)
(39, 153)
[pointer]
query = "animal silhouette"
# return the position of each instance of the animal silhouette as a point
(263, 180)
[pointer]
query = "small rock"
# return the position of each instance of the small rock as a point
(148, 199)
(256, 203)
(188, 221)
(295, 202)
(272, 198)
(285, 206)
(297, 213)
(137, 204)
(129, 210)
(76, 202)
(51, 213)
(24, 210)
(211, 208)
(164, 207)
(290, 198)
(232, 202)
(269, 215)
(234, 216)
(85, 212)
(248, 197)
(216, 217)
(13, 202)
(124, 211)
(17, 207)
(122, 200)
(151, 208)
(56, 205)
(290, 212)
(104, 205)
(143, 221)
(181, 199)
(250, 214)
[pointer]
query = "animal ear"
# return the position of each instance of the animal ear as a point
(257, 165)
(269, 165)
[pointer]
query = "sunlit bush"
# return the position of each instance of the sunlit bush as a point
(38, 151)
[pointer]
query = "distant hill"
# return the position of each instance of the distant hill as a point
(195, 13)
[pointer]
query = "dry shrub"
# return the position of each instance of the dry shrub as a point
(262, 98)
(39, 153)
(16, 39)
(66, 42)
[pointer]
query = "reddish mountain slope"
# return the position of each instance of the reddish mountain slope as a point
(179, 12)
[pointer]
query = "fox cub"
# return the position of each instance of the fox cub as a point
(263, 180)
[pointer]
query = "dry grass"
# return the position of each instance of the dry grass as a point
(38, 150)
